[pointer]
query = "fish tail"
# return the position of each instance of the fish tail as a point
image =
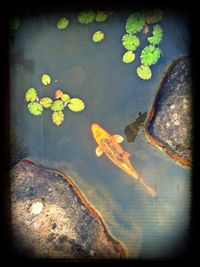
(148, 188)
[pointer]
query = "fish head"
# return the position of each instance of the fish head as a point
(98, 132)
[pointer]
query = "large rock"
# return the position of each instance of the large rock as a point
(170, 121)
(51, 218)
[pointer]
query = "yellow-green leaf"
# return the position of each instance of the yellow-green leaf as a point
(46, 79)
(46, 102)
(58, 117)
(62, 23)
(76, 105)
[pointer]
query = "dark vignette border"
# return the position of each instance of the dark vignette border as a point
(11, 9)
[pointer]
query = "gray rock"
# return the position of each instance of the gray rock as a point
(56, 223)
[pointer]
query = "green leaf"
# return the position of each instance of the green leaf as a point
(76, 105)
(157, 35)
(46, 102)
(128, 57)
(35, 108)
(57, 105)
(150, 55)
(62, 23)
(31, 95)
(46, 79)
(65, 98)
(101, 16)
(58, 117)
(98, 36)
(86, 17)
(130, 41)
(135, 22)
(144, 72)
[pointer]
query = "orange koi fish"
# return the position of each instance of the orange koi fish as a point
(58, 94)
(109, 144)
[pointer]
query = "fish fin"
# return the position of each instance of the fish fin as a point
(118, 138)
(99, 151)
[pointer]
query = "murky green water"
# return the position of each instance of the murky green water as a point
(114, 95)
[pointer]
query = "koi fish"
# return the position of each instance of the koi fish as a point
(109, 145)
(58, 94)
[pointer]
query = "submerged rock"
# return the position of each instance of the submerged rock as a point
(170, 121)
(51, 218)
(131, 130)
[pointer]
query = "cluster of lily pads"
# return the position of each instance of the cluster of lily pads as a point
(61, 100)
(136, 22)
(88, 16)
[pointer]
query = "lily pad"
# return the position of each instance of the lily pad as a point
(135, 22)
(86, 17)
(128, 57)
(98, 36)
(35, 108)
(65, 98)
(76, 105)
(58, 117)
(130, 41)
(46, 102)
(62, 23)
(150, 55)
(157, 35)
(144, 72)
(101, 16)
(57, 105)
(46, 79)
(31, 95)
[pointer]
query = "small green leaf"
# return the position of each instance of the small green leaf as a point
(31, 95)
(65, 98)
(35, 108)
(130, 41)
(62, 23)
(98, 36)
(57, 105)
(46, 79)
(128, 57)
(76, 105)
(101, 16)
(58, 117)
(46, 102)
(144, 72)
(86, 17)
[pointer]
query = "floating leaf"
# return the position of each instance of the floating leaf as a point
(157, 35)
(35, 108)
(58, 117)
(154, 16)
(130, 41)
(144, 72)
(46, 79)
(150, 55)
(101, 16)
(31, 95)
(76, 105)
(57, 105)
(14, 24)
(86, 17)
(128, 57)
(46, 102)
(98, 36)
(135, 22)
(65, 98)
(62, 23)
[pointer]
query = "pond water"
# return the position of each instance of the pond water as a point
(114, 95)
